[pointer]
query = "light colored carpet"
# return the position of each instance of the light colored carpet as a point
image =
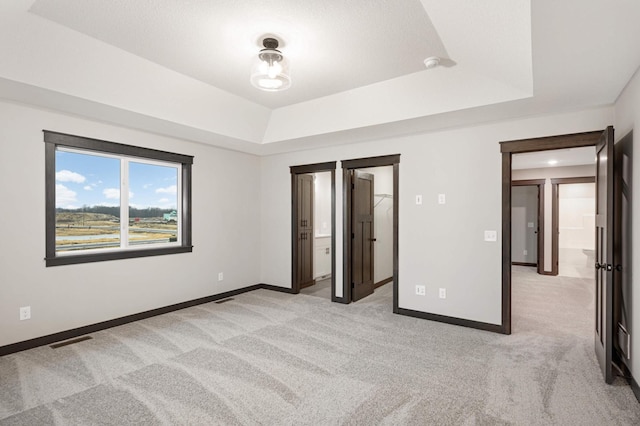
(277, 359)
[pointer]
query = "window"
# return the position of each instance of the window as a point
(107, 201)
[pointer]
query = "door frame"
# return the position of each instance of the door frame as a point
(555, 215)
(540, 183)
(303, 170)
(347, 167)
(508, 148)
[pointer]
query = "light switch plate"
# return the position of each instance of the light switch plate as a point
(530, 224)
(418, 200)
(491, 236)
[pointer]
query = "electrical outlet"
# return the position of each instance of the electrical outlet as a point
(220, 276)
(443, 293)
(491, 236)
(441, 199)
(25, 313)
(421, 290)
(525, 252)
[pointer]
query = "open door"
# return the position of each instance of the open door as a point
(305, 231)
(604, 253)
(622, 250)
(362, 234)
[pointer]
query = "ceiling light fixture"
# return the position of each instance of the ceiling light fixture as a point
(271, 71)
(552, 162)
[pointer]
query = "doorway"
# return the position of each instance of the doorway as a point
(360, 199)
(604, 253)
(549, 170)
(508, 150)
(372, 226)
(312, 225)
(573, 223)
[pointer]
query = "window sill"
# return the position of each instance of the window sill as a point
(115, 255)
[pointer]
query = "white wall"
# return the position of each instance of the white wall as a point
(248, 237)
(577, 215)
(439, 245)
(322, 224)
(322, 203)
(382, 222)
(549, 173)
(225, 233)
(627, 119)
(576, 222)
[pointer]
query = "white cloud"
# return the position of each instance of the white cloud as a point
(111, 193)
(147, 185)
(163, 200)
(69, 176)
(173, 189)
(65, 196)
(114, 193)
(88, 188)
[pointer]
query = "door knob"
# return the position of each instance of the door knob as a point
(605, 266)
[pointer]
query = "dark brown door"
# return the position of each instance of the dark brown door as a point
(539, 231)
(604, 253)
(623, 269)
(362, 235)
(305, 231)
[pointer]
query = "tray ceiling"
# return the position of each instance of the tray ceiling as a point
(181, 68)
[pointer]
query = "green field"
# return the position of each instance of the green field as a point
(80, 230)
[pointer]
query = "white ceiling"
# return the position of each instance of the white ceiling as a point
(561, 157)
(181, 67)
(332, 46)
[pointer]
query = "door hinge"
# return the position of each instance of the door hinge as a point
(353, 285)
(353, 186)
(353, 235)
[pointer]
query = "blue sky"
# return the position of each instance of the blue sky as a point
(91, 180)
